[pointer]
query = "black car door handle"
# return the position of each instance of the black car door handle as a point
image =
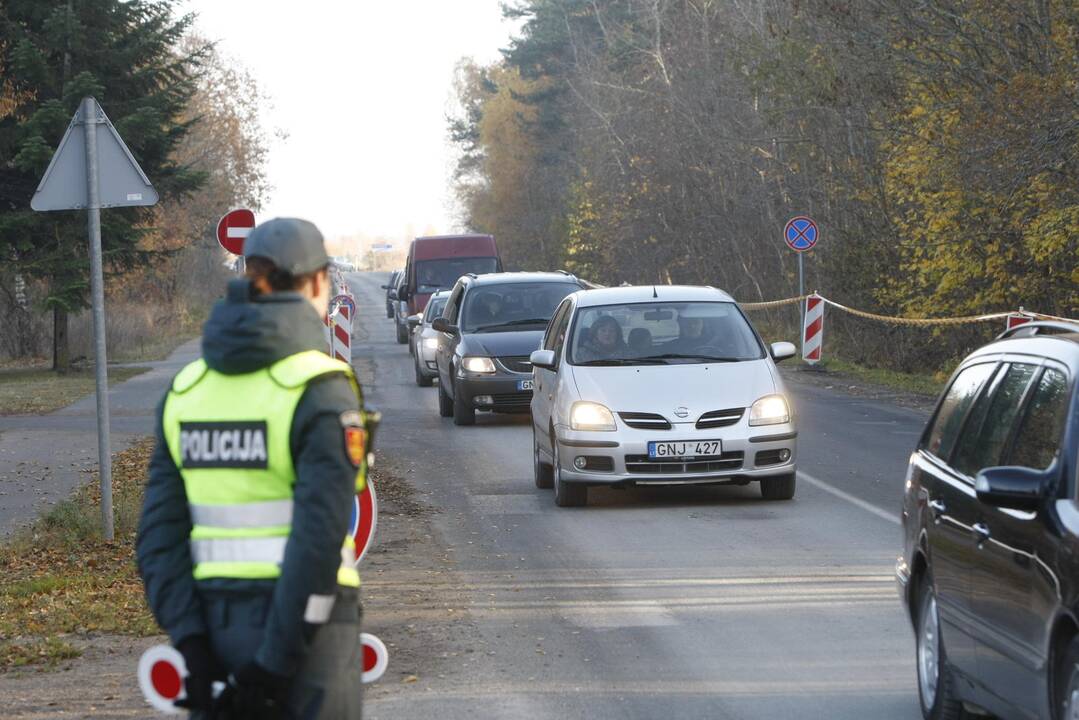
(981, 531)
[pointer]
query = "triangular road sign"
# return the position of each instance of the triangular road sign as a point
(122, 182)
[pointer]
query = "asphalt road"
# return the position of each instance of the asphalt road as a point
(659, 602)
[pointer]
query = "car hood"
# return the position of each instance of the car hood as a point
(660, 389)
(505, 344)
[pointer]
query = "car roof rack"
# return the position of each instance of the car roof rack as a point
(1040, 327)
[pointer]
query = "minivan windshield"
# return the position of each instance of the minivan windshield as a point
(662, 333)
(432, 275)
(513, 306)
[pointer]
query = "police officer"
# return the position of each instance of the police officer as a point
(243, 544)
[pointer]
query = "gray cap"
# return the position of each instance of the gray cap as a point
(293, 245)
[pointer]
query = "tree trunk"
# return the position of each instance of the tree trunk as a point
(61, 355)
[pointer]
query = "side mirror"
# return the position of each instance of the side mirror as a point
(542, 359)
(414, 320)
(783, 350)
(441, 325)
(384, 287)
(1017, 488)
(403, 293)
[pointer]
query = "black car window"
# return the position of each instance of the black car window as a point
(560, 332)
(1038, 439)
(982, 443)
(550, 338)
(512, 306)
(953, 408)
(453, 305)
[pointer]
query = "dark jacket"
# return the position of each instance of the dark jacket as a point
(241, 336)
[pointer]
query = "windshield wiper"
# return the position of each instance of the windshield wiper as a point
(526, 321)
(680, 356)
(510, 323)
(623, 361)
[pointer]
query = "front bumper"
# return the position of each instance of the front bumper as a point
(744, 452)
(498, 392)
(426, 359)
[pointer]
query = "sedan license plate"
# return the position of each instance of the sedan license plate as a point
(684, 449)
(524, 384)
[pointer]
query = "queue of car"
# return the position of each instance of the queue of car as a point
(666, 385)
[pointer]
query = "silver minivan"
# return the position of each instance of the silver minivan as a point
(664, 385)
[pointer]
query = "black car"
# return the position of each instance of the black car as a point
(990, 568)
(391, 288)
(490, 325)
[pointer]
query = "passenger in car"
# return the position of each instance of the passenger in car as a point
(640, 341)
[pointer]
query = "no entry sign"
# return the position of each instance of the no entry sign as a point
(233, 228)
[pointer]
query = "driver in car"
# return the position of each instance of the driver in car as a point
(604, 341)
(490, 307)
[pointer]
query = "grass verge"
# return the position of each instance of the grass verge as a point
(927, 384)
(38, 390)
(59, 579)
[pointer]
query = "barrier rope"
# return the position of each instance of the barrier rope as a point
(962, 320)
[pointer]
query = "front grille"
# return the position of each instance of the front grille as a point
(719, 418)
(722, 463)
(645, 421)
(517, 364)
(512, 399)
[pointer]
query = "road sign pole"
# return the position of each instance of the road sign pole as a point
(801, 287)
(90, 122)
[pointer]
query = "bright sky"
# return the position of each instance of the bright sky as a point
(362, 88)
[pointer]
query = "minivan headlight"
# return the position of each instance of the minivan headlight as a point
(769, 410)
(590, 416)
(478, 365)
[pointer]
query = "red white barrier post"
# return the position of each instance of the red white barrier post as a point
(1017, 318)
(813, 330)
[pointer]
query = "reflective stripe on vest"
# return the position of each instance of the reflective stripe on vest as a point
(229, 437)
(248, 515)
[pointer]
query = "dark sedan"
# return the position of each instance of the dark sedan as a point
(490, 325)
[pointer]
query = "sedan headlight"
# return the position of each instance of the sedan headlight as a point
(591, 416)
(478, 365)
(430, 343)
(769, 410)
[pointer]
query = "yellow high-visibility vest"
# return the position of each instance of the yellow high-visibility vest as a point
(229, 437)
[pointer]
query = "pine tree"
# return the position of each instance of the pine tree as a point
(52, 54)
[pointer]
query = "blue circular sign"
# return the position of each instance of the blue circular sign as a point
(801, 233)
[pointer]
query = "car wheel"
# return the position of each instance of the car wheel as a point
(1069, 683)
(402, 334)
(445, 402)
(463, 412)
(541, 470)
(566, 494)
(936, 689)
(422, 379)
(389, 313)
(780, 487)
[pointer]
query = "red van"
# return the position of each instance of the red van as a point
(435, 263)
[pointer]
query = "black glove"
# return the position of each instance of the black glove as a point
(202, 669)
(253, 693)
